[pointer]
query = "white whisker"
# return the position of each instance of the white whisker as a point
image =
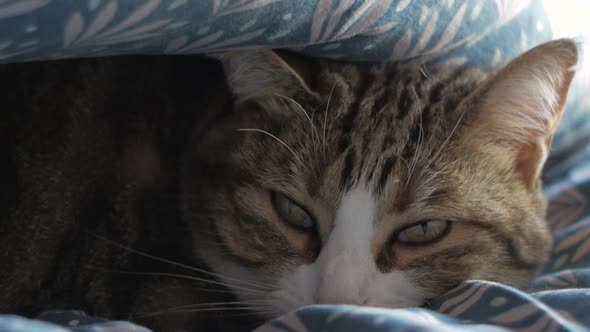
(253, 291)
(251, 283)
(225, 309)
(302, 110)
(420, 139)
(325, 144)
(273, 136)
(446, 140)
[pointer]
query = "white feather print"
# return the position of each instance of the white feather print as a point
(148, 27)
(453, 28)
(356, 15)
(363, 24)
(236, 40)
(73, 28)
(5, 44)
(423, 15)
(125, 31)
(515, 314)
(279, 35)
(402, 45)
(211, 38)
(380, 29)
(248, 25)
(21, 7)
(93, 4)
(455, 62)
(176, 25)
(176, 4)
(215, 6)
(176, 43)
(101, 20)
(320, 13)
(469, 301)
(335, 18)
(462, 292)
(508, 9)
(120, 39)
(426, 35)
(582, 251)
(248, 6)
(545, 324)
(402, 5)
(10, 54)
(136, 16)
(476, 11)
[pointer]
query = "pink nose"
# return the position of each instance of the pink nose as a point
(341, 300)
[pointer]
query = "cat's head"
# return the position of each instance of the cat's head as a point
(379, 185)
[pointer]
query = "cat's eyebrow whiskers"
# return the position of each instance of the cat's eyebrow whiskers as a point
(420, 139)
(316, 139)
(304, 112)
(274, 137)
(325, 124)
(446, 140)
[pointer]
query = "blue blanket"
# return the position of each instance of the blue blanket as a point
(465, 32)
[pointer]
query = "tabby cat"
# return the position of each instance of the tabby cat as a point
(189, 192)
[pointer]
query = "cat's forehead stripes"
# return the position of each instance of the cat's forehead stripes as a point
(388, 129)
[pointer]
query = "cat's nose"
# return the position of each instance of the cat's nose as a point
(341, 299)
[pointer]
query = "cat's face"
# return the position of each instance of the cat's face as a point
(381, 186)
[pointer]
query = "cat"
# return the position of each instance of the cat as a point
(215, 193)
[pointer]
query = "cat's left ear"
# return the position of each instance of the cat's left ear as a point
(520, 107)
(262, 74)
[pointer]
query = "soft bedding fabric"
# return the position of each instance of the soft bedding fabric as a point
(461, 32)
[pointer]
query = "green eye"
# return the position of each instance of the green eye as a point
(424, 232)
(292, 213)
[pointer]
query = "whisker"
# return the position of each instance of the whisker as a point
(177, 276)
(273, 136)
(316, 139)
(302, 110)
(200, 289)
(446, 140)
(216, 304)
(251, 283)
(420, 138)
(325, 145)
(424, 71)
(225, 309)
(272, 180)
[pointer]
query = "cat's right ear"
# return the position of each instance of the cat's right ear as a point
(261, 74)
(519, 108)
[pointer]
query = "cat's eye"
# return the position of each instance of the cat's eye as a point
(424, 232)
(291, 212)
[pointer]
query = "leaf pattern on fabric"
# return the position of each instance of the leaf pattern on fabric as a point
(20, 7)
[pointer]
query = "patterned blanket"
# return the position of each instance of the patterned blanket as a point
(471, 31)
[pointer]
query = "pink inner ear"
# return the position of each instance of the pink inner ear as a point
(520, 107)
(529, 162)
